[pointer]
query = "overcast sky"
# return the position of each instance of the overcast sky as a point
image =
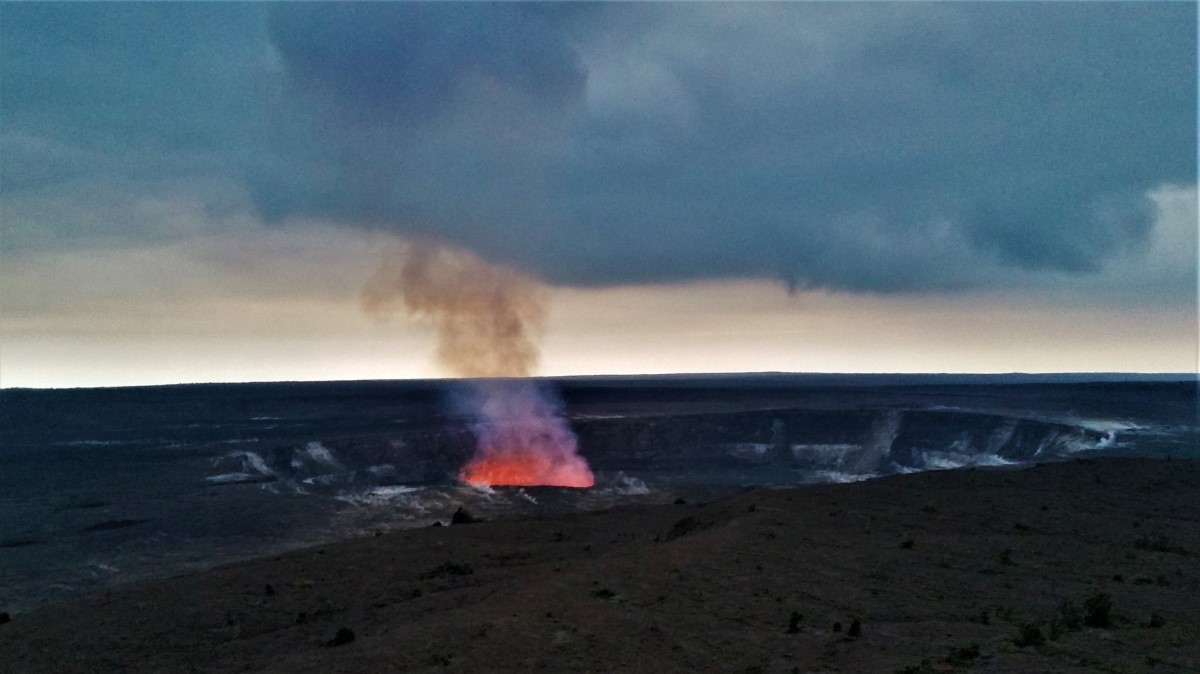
(198, 192)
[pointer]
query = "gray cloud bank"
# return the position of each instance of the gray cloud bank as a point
(854, 146)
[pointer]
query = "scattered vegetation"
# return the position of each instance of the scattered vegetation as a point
(963, 656)
(684, 527)
(907, 544)
(1159, 543)
(446, 570)
(1030, 634)
(1069, 616)
(1096, 612)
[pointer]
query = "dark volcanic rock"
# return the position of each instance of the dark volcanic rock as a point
(722, 596)
(447, 569)
(684, 527)
(344, 636)
(462, 516)
(794, 623)
(115, 524)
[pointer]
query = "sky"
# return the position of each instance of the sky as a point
(199, 192)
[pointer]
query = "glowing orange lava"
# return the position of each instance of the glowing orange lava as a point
(527, 469)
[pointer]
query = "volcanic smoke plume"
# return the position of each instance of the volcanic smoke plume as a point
(488, 318)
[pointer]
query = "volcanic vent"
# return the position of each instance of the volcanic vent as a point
(488, 317)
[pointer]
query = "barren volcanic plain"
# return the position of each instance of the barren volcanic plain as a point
(1088, 565)
(743, 524)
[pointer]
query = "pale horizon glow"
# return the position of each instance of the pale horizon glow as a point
(658, 330)
(264, 304)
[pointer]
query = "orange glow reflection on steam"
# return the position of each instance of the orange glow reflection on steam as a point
(526, 468)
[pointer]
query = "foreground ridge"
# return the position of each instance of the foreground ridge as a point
(1060, 567)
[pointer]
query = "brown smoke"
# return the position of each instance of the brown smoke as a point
(488, 316)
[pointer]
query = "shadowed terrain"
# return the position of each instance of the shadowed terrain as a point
(1077, 566)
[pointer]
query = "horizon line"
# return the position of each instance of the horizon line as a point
(1077, 376)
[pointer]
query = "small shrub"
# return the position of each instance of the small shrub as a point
(1030, 635)
(855, 629)
(1156, 621)
(794, 622)
(1054, 629)
(1070, 616)
(446, 570)
(344, 636)
(1098, 610)
(964, 656)
(907, 544)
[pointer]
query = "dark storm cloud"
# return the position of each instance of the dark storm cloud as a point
(164, 77)
(396, 64)
(860, 146)
(110, 111)
(866, 147)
